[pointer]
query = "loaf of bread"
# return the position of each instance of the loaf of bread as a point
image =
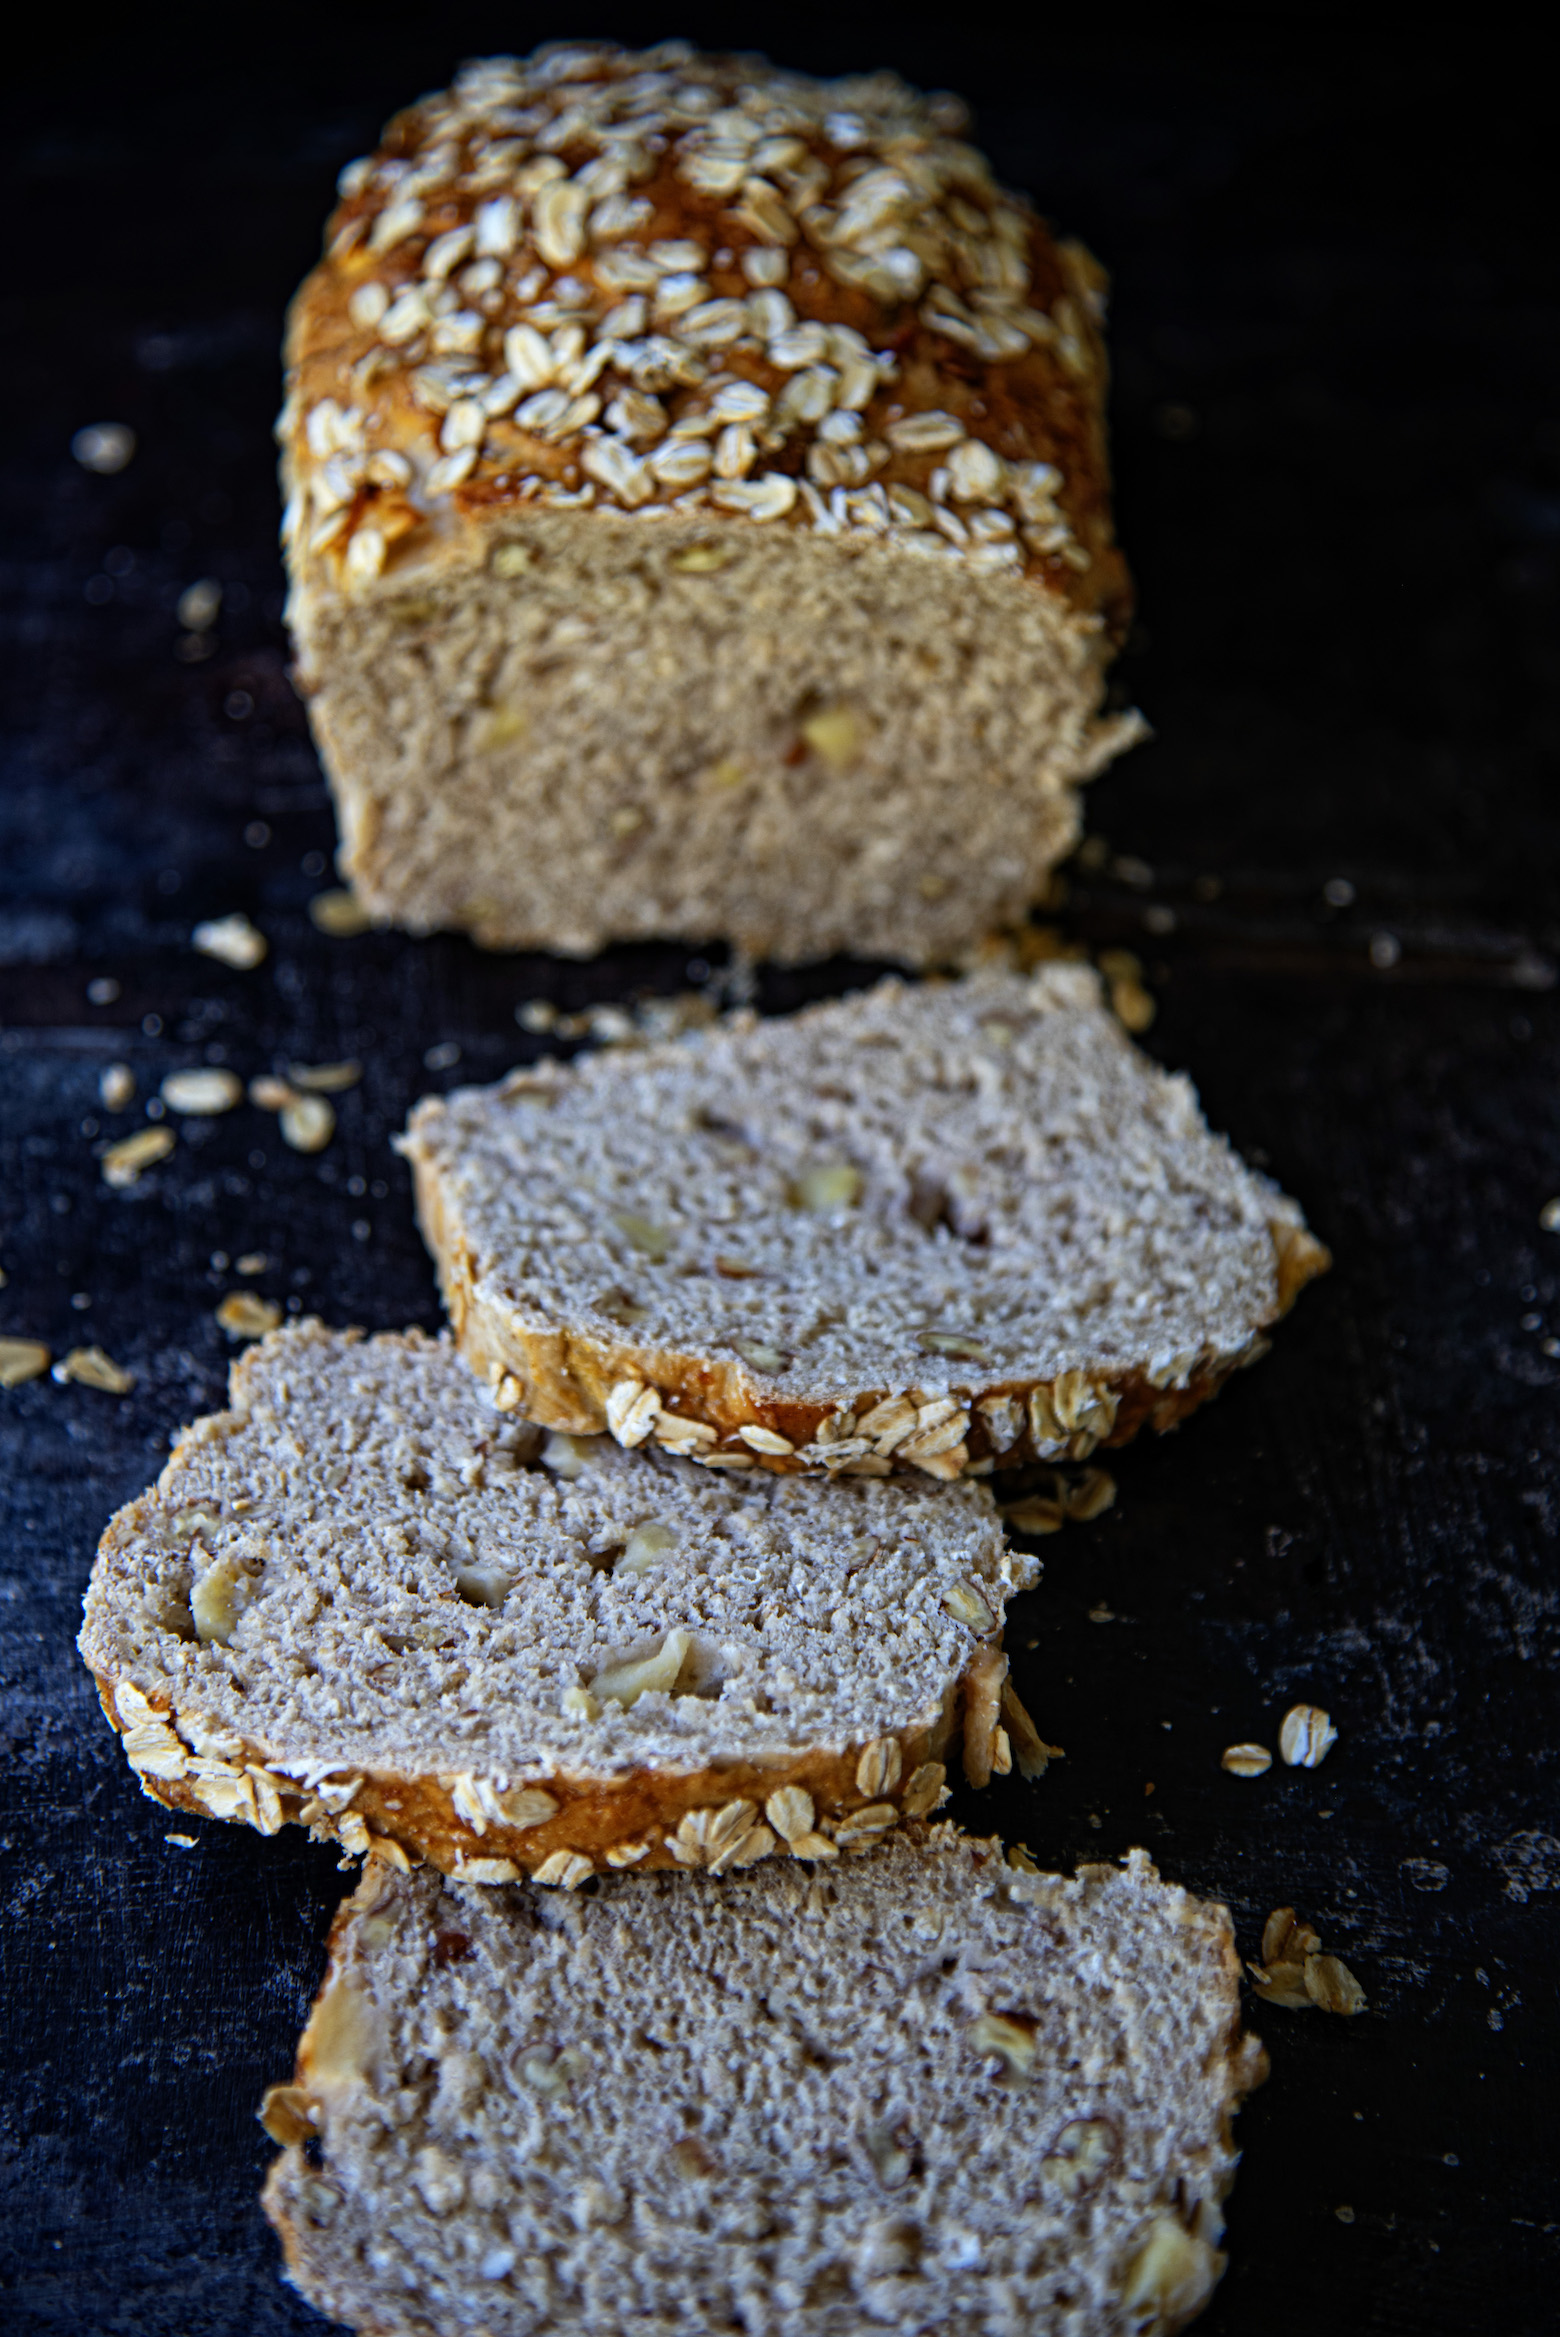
(698, 514)
(364, 1599)
(924, 2091)
(926, 1228)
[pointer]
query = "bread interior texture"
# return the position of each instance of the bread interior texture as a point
(365, 1565)
(922, 2093)
(585, 727)
(935, 1187)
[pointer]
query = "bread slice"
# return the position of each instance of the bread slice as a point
(364, 1599)
(923, 2092)
(925, 1229)
(698, 514)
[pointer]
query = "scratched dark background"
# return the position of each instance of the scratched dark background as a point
(1337, 431)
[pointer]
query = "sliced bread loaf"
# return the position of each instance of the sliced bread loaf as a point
(924, 1228)
(365, 1599)
(923, 2092)
(698, 513)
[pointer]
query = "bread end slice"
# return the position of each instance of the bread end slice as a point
(907, 2094)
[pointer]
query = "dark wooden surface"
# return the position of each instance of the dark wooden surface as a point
(1337, 426)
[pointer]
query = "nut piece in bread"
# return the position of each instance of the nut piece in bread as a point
(697, 514)
(928, 1229)
(921, 2091)
(367, 1600)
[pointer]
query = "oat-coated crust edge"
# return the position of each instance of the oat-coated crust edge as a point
(411, 1818)
(563, 1378)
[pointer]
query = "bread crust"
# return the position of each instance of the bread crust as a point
(653, 1813)
(566, 1379)
(496, 369)
(560, 1822)
(1041, 401)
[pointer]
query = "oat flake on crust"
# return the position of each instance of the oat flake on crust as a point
(665, 281)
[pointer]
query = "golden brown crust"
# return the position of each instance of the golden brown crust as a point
(996, 325)
(664, 1817)
(568, 1380)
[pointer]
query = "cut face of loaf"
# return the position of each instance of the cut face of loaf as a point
(922, 2092)
(928, 1230)
(698, 514)
(365, 1600)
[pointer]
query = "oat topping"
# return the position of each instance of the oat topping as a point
(672, 282)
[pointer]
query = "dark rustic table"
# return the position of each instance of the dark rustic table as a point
(1337, 425)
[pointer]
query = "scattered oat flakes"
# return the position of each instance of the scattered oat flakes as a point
(1296, 1974)
(325, 1078)
(252, 1262)
(181, 1841)
(21, 1359)
(270, 1093)
(116, 1087)
(1332, 1987)
(339, 913)
(1132, 1005)
(232, 939)
(104, 447)
(1549, 1216)
(123, 1162)
(1246, 1760)
(1035, 1515)
(200, 604)
(1089, 1496)
(1306, 1736)
(202, 1092)
(243, 1315)
(308, 1123)
(91, 1368)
